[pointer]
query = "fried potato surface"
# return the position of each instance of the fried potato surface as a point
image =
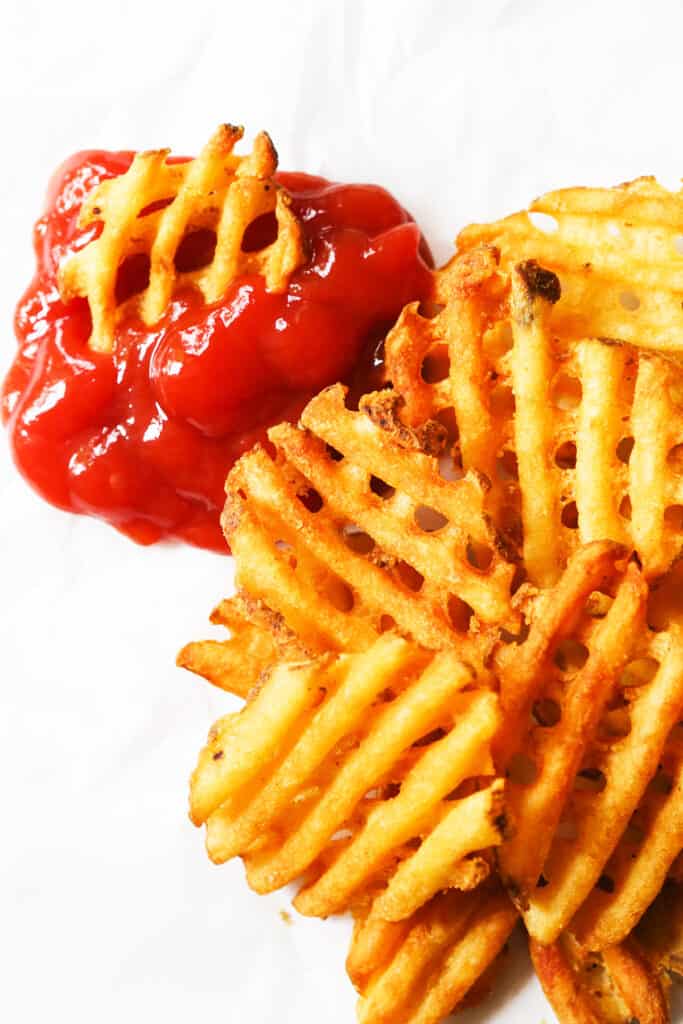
(604, 694)
(156, 204)
(597, 430)
(419, 970)
(236, 664)
(609, 988)
(353, 529)
(615, 251)
(579, 439)
(367, 773)
(661, 930)
(653, 839)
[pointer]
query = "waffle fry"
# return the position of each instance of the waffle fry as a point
(604, 466)
(347, 769)
(390, 541)
(236, 665)
(418, 970)
(587, 988)
(638, 868)
(605, 694)
(442, 370)
(660, 932)
(616, 252)
(580, 441)
(218, 191)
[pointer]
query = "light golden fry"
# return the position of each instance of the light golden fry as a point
(218, 192)
(431, 868)
(605, 696)
(390, 540)
(346, 768)
(533, 293)
(605, 419)
(411, 813)
(615, 252)
(374, 945)
(588, 988)
(419, 970)
(240, 744)
(625, 884)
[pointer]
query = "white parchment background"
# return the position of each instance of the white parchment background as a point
(466, 110)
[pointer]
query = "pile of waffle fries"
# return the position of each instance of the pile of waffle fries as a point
(457, 627)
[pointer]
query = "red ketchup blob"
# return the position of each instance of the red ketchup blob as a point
(143, 437)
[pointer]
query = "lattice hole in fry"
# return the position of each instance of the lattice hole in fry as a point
(546, 712)
(429, 520)
(380, 488)
(359, 541)
(419, 970)
(436, 366)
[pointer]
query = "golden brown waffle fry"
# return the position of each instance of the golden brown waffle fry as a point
(353, 529)
(618, 986)
(218, 191)
(646, 851)
(444, 371)
(617, 252)
(236, 664)
(604, 694)
(354, 770)
(418, 970)
(580, 441)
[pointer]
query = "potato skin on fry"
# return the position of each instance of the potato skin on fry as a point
(585, 988)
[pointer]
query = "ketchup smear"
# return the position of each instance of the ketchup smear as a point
(144, 437)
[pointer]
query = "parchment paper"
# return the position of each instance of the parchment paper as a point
(466, 110)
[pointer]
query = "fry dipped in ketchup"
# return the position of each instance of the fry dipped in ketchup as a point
(143, 436)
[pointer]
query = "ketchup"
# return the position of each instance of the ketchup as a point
(143, 437)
